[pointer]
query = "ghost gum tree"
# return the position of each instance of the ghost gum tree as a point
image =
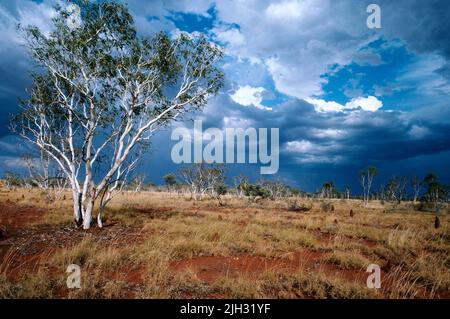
(366, 177)
(101, 91)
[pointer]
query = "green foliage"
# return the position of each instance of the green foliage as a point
(436, 191)
(254, 191)
(102, 90)
(170, 180)
(329, 190)
(107, 50)
(12, 179)
(220, 189)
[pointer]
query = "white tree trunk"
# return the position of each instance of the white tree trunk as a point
(88, 214)
(77, 207)
(99, 219)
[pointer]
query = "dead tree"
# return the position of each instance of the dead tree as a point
(417, 185)
(366, 177)
(203, 179)
(240, 182)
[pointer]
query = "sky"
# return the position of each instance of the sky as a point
(342, 95)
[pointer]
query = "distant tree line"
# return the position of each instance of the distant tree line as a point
(209, 181)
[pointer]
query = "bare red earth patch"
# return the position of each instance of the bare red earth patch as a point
(14, 217)
(28, 245)
(212, 268)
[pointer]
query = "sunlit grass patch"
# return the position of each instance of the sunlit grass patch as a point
(348, 260)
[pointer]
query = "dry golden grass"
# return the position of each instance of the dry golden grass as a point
(348, 260)
(172, 228)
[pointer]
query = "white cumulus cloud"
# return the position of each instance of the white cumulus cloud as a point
(370, 104)
(247, 96)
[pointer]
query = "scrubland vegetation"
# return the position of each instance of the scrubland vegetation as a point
(166, 245)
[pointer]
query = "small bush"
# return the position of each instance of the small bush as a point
(326, 207)
(294, 206)
(429, 207)
(256, 191)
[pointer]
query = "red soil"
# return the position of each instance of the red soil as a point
(211, 268)
(25, 246)
(14, 217)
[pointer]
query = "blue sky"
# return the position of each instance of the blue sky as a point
(344, 96)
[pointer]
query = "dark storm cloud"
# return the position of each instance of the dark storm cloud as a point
(15, 64)
(423, 25)
(315, 146)
(331, 146)
(354, 135)
(13, 81)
